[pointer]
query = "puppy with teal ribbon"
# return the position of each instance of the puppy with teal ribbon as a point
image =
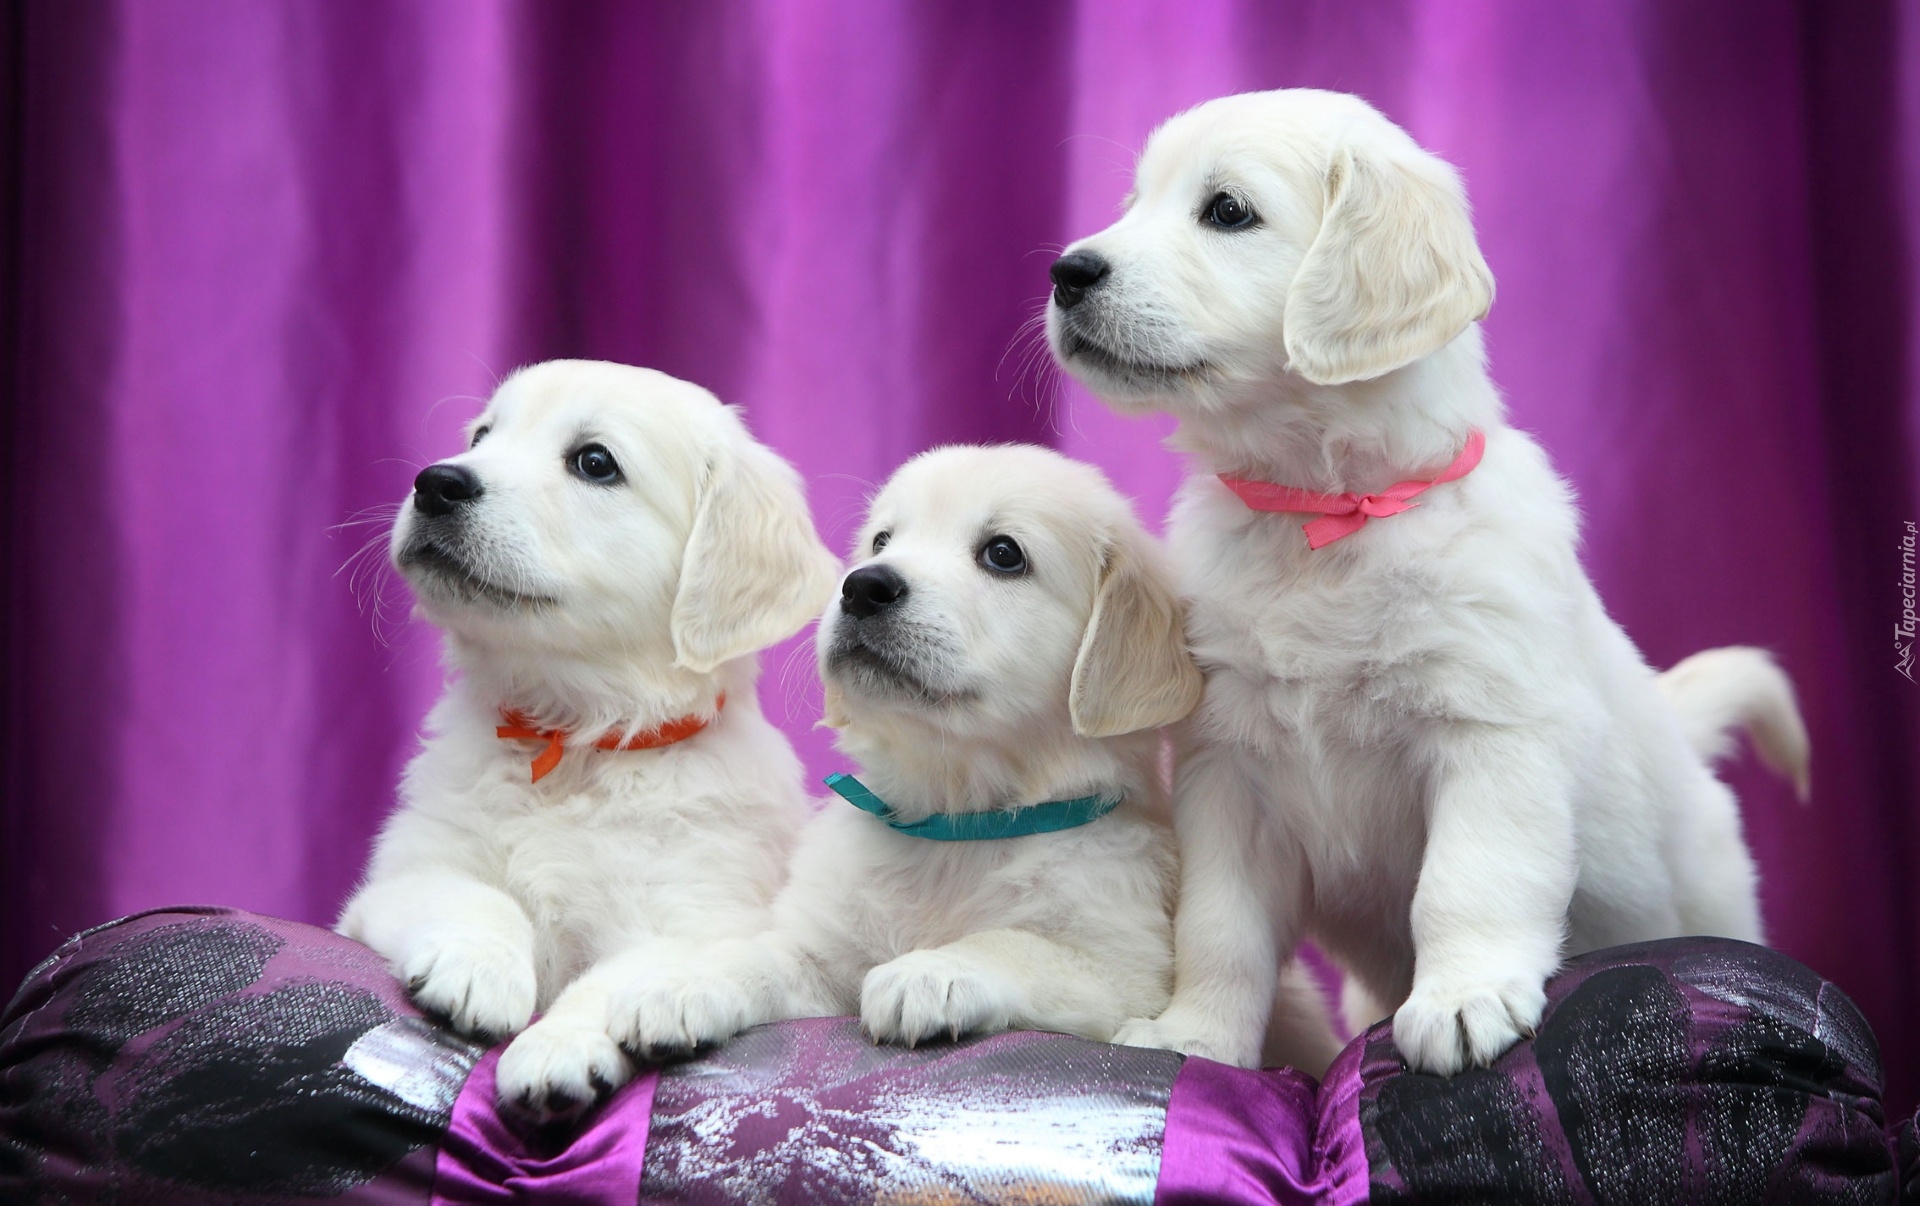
(1003, 653)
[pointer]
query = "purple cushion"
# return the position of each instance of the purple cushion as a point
(211, 1056)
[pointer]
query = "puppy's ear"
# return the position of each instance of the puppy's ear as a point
(754, 571)
(1133, 671)
(1394, 273)
(833, 709)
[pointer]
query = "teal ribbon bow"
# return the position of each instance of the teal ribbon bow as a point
(1050, 817)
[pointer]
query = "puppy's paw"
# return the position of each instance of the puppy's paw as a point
(927, 993)
(482, 987)
(674, 1013)
(1448, 1025)
(558, 1068)
(1189, 1036)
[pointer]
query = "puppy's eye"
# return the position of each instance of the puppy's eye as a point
(880, 541)
(1003, 556)
(596, 464)
(479, 433)
(1228, 211)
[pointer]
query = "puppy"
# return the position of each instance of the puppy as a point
(1423, 742)
(999, 662)
(597, 789)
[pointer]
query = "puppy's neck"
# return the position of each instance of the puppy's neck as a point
(587, 696)
(1361, 436)
(920, 773)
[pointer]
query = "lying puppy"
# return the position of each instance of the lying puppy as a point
(597, 790)
(999, 662)
(1423, 741)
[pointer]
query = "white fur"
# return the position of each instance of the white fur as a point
(981, 691)
(594, 608)
(1426, 745)
(1718, 691)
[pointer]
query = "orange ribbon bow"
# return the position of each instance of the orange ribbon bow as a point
(519, 728)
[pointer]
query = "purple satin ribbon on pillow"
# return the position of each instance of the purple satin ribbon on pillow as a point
(488, 1158)
(1237, 1135)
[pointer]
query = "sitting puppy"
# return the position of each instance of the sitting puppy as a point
(1423, 741)
(999, 662)
(598, 790)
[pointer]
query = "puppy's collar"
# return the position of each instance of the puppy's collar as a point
(1342, 515)
(1050, 817)
(519, 728)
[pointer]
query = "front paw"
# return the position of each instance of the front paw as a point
(1189, 1036)
(558, 1068)
(926, 993)
(1448, 1025)
(666, 1015)
(482, 987)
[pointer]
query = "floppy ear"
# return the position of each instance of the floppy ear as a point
(1133, 671)
(754, 570)
(1393, 275)
(833, 708)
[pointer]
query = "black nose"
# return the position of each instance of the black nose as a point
(441, 488)
(869, 589)
(1075, 273)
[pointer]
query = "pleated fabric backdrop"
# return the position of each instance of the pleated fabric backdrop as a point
(264, 258)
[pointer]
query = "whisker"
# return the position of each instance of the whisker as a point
(481, 402)
(484, 367)
(796, 684)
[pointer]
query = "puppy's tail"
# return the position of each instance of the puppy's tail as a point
(1718, 690)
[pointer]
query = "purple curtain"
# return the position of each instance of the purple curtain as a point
(263, 257)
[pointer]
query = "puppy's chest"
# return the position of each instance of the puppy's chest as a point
(1303, 671)
(1312, 632)
(931, 893)
(598, 833)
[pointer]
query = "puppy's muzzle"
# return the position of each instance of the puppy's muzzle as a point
(441, 489)
(1074, 274)
(870, 590)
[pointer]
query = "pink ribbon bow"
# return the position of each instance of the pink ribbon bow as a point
(1344, 514)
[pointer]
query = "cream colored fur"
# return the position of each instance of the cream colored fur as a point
(984, 691)
(595, 608)
(1425, 746)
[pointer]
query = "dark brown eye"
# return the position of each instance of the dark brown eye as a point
(1003, 556)
(880, 541)
(479, 433)
(1229, 212)
(594, 463)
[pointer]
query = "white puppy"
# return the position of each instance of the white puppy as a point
(1423, 743)
(1003, 652)
(605, 559)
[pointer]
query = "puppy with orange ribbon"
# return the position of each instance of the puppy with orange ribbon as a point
(597, 790)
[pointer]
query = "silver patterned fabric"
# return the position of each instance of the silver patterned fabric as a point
(815, 1112)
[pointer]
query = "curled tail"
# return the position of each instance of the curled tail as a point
(1718, 690)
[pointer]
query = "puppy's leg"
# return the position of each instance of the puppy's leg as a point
(1718, 887)
(1359, 1009)
(562, 1063)
(1242, 907)
(464, 949)
(658, 998)
(989, 981)
(1489, 915)
(708, 995)
(572, 1055)
(1299, 1031)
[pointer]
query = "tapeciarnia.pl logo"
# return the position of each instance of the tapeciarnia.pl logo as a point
(1903, 631)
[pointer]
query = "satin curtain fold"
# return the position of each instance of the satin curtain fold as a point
(266, 256)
